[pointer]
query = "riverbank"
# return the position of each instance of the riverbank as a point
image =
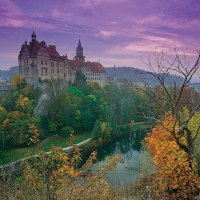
(14, 154)
(18, 164)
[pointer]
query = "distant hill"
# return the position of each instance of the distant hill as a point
(138, 75)
(8, 74)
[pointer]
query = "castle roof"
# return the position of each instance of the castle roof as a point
(76, 64)
(95, 67)
(34, 48)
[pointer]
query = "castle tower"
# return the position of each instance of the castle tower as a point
(33, 35)
(79, 52)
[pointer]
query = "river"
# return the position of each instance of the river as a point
(129, 147)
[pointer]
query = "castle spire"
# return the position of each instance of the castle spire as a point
(79, 52)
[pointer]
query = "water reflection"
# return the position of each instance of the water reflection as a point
(129, 147)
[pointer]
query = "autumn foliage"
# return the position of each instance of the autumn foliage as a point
(58, 175)
(16, 81)
(175, 168)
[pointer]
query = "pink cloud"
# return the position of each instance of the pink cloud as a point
(7, 22)
(19, 23)
(10, 8)
(106, 34)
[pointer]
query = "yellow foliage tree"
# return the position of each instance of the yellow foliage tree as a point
(15, 81)
(176, 175)
(23, 103)
(193, 125)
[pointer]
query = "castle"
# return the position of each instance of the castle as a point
(39, 62)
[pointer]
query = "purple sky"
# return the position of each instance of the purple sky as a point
(120, 32)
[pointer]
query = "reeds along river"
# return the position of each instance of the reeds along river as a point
(133, 157)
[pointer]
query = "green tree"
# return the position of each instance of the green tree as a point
(3, 115)
(80, 77)
(19, 123)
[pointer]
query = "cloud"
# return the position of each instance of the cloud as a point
(12, 22)
(9, 8)
(94, 3)
(106, 34)
(146, 44)
(62, 14)
(118, 61)
(21, 23)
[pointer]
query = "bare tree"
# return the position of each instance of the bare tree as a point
(171, 93)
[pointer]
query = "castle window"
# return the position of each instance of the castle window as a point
(41, 62)
(45, 62)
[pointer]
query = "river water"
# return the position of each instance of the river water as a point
(129, 147)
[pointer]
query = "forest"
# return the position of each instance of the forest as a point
(76, 109)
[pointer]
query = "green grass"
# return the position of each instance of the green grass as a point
(10, 155)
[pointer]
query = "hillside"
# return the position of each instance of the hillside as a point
(138, 75)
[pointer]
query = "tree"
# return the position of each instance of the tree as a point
(20, 125)
(102, 130)
(194, 126)
(172, 93)
(17, 82)
(58, 175)
(80, 77)
(176, 174)
(170, 98)
(3, 115)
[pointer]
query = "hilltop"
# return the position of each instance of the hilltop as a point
(138, 75)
